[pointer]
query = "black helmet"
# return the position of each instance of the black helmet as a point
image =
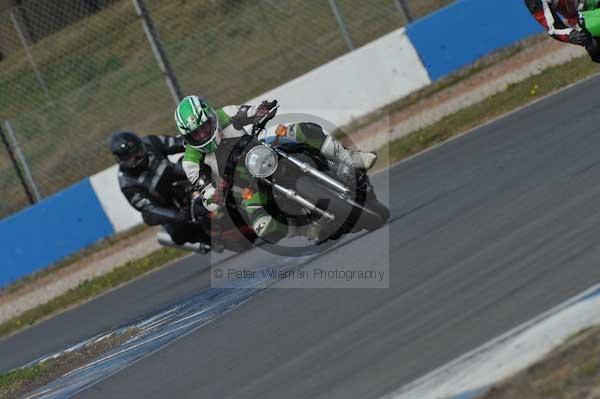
(128, 149)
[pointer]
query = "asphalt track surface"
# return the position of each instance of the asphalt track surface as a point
(488, 231)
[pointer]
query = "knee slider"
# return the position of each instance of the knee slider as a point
(263, 225)
(269, 229)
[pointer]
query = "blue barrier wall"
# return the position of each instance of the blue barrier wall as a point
(56, 227)
(467, 30)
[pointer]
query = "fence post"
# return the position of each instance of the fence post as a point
(341, 24)
(159, 54)
(17, 149)
(405, 9)
(34, 66)
(16, 166)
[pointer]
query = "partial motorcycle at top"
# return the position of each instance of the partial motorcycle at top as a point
(570, 21)
(241, 184)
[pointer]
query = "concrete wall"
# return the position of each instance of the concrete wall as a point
(355, 84)
(349, 87)
(56, 227)
(121, 215)
(467, 30)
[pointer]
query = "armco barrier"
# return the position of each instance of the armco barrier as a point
(346, 88)
(467, 30)
(51, 230)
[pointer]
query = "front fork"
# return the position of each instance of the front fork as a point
(314, 172)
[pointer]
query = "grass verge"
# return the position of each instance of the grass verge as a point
(91, 288)
(572, 371)
(16, 383)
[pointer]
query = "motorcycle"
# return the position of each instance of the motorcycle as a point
(300, 183)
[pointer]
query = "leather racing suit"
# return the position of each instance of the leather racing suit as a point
(149, 189)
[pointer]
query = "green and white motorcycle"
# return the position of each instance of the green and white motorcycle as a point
(297, 181)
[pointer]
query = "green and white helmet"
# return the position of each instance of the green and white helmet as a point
(198, 123)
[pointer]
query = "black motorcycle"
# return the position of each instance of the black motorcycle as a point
(298, 182)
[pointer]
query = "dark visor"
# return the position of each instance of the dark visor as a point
(132, 159)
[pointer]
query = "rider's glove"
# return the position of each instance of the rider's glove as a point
(580, 37)
(220, 192)
(197, 208)
(246, 115)
(265, 107)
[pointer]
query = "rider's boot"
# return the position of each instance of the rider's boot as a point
(334, 150)
(165, 239)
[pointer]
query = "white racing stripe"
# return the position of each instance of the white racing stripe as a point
(508, 353)
(38, 395)
(122, 216)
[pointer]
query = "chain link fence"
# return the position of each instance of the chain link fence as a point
(73, 74)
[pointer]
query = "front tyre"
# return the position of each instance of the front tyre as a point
(373, 222)
(352, 214)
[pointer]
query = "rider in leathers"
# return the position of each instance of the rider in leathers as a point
(561, 19)
(146, 178)
(210, 135)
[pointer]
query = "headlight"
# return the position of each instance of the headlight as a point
(261, 161)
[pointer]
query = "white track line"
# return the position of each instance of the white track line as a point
(448, 381)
